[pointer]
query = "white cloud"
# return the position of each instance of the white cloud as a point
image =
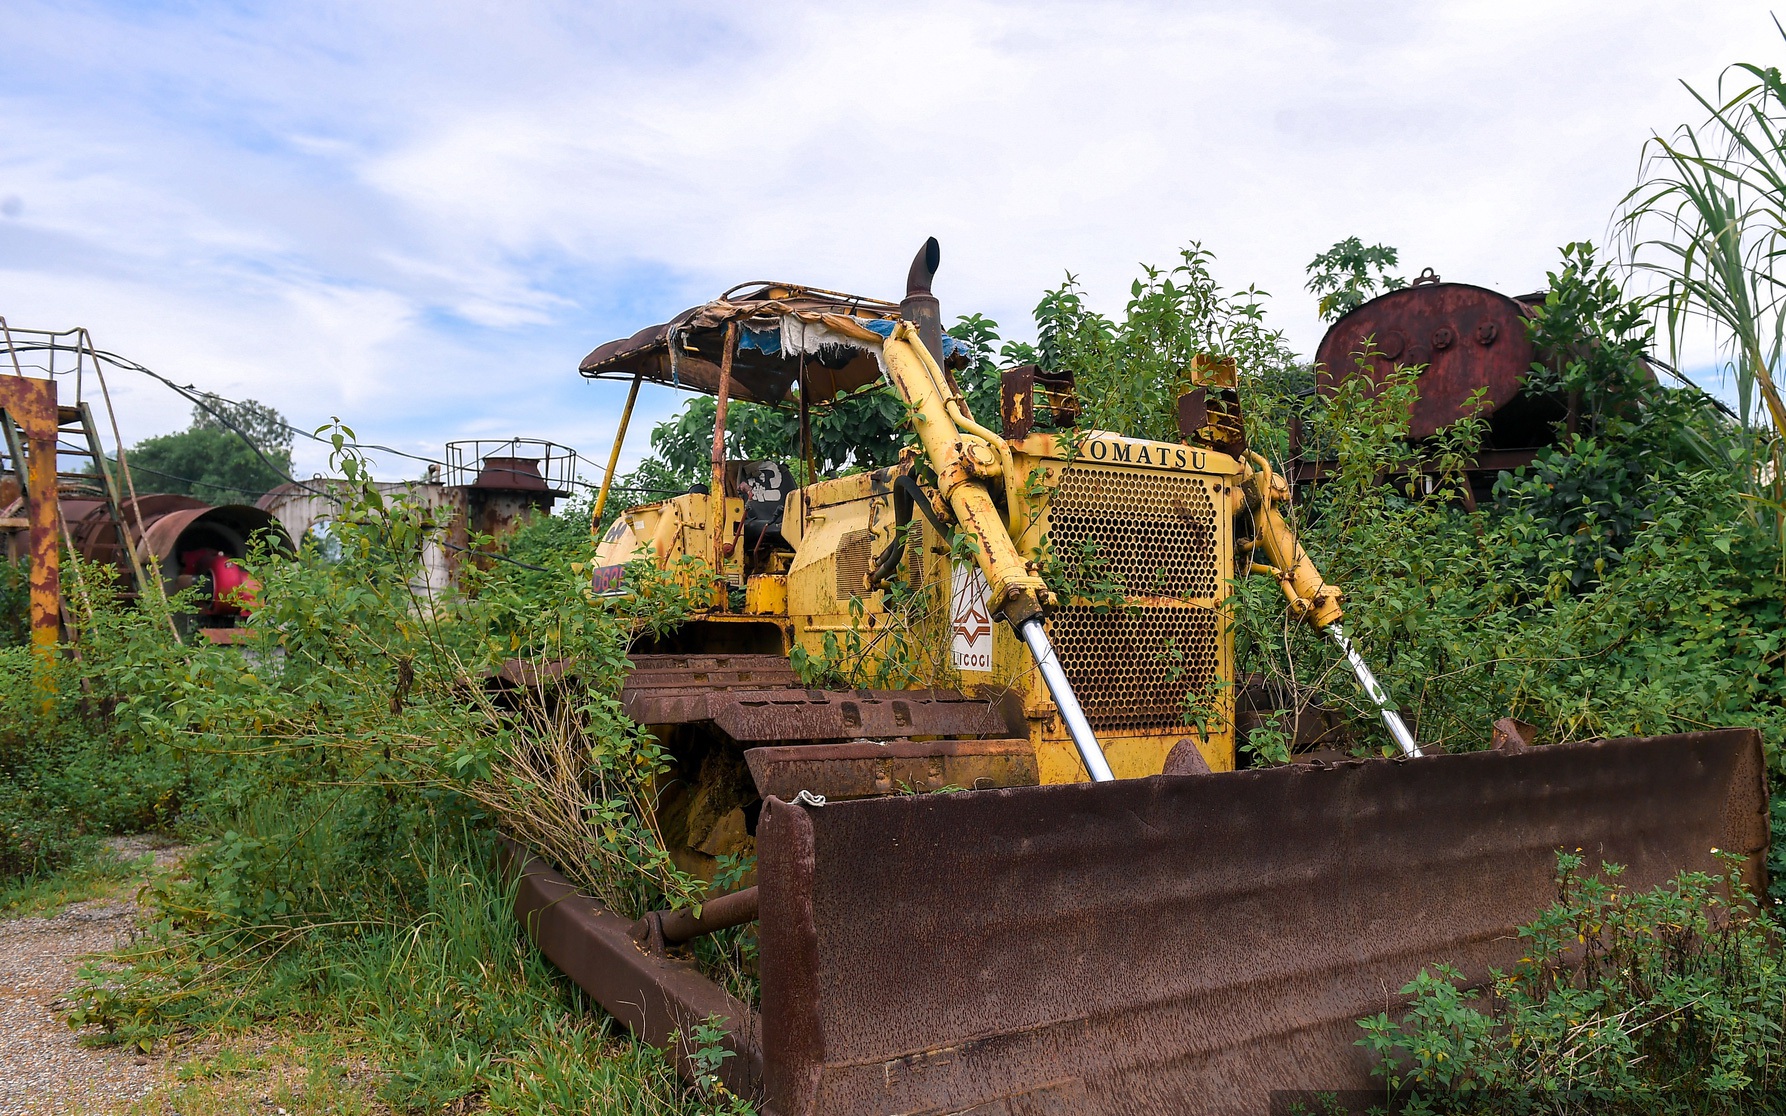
(420, 216)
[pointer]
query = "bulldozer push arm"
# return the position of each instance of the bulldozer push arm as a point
(966, 457)
(1310, 597)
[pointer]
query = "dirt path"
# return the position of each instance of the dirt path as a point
(44, 1071)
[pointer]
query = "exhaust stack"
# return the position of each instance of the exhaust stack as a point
(919, 306)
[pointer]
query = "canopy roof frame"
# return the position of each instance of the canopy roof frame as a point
(786, 334)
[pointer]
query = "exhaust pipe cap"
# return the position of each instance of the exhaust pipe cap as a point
(924, 265)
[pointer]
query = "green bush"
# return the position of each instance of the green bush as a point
(64, 778)
(1669, 1001)
(15, 602)
(344, 770)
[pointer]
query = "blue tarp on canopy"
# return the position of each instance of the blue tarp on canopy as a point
(769, 340)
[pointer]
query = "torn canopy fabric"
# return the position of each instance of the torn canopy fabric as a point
(782, 332)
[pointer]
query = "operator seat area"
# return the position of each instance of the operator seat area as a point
(764, 487)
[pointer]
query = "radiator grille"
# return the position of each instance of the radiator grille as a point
(1131, 670)
(1154, 531)
(852, 563)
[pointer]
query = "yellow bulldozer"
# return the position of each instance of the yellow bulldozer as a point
(1103, 915)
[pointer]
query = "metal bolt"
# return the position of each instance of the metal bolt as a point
(1486, 333)
(1443, 337)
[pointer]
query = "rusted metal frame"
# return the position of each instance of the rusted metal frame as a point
(659, 999)
(31, 404)
(865, 768)
(114, 498)
(716, 498)
(764, 715)
(626, 414)
(15, 449)
(12, 350)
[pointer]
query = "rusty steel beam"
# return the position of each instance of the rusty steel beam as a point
(31, 403)
(659, 999)
(1188, 944)
(692, 673)
(763, 715)
(756, 716)
(716, 496)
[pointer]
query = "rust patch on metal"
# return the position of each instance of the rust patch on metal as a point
(31, 404)
(1510, 735)
(864, 768)
(720, 913)
(1185, 758)
(1131, 936)
(750, 700)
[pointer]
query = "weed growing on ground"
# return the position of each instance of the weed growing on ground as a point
(100, 871)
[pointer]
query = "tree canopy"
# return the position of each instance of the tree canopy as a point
(232, 453)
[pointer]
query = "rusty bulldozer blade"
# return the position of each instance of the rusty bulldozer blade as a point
(1182, 944)
(1186, 944)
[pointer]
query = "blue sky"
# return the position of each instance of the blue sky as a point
(419, 217)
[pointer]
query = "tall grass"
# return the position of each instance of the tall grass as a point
(1707, 220)
(344, 776)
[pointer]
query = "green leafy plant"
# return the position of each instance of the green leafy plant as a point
(1348, 274)
(1665, 1001)
(1128, 372)
(1708, 220)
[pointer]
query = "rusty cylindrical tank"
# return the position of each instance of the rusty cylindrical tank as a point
(173, 528)
(1468, 338)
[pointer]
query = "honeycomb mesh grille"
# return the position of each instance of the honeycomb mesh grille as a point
(852, 563)
(1132, 670)
(1154, 532)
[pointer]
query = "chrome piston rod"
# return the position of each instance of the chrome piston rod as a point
(1374, 690)
(1090, 754)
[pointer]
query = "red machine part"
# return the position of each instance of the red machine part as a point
(184, 538)
(232, 589)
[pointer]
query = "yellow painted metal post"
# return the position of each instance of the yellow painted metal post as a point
(626, 415)
(32, 404)
(716, 498)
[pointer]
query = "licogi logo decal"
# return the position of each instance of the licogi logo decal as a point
(970, 617)
(1163, 457)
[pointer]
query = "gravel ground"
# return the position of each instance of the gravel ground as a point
(44, 1071)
